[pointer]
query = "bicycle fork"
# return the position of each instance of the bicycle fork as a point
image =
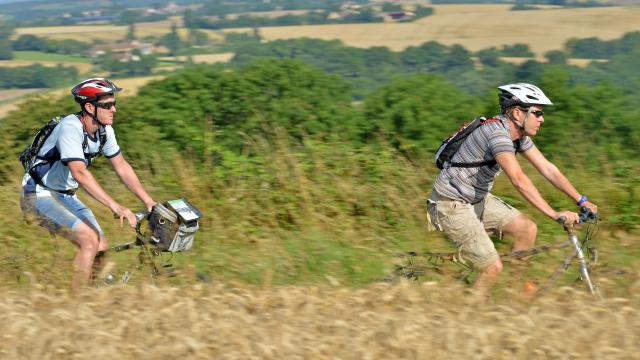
(584, 270)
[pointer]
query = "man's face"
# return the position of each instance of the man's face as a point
(534, 119)
(106, 109)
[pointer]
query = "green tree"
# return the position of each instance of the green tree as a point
(489, 57)
(417, 112)
(131, 32)
(6, 30)
(517, 50)
(198, 38)
(253, 99)
(172, 40)
(389, 6)
(556, 57)
(29, 42)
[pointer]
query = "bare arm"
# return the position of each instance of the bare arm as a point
(84, 177)
(130, 179)
(523, 184)
(555, 176)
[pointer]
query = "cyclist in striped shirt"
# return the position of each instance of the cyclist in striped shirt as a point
(461, 204)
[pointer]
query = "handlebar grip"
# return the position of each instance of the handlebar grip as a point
(561, 220)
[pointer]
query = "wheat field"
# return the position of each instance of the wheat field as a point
(474, 26)
(477, 27)
(228, 321)
(89, 33)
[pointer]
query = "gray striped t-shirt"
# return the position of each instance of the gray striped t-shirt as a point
(473, 184)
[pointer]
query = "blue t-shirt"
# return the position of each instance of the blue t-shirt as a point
(65, 145)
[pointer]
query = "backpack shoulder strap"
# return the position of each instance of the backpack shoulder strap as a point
(103, 138)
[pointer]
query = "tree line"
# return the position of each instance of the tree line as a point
(367, 69)
(211, 115)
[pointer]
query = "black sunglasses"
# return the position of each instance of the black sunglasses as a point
(537, 113)
(105, 105)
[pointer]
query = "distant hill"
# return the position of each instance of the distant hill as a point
(625, 2)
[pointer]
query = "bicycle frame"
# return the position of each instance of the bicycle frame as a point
(146, 254)
(579, 249)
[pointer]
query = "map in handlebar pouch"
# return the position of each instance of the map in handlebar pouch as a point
(185, 210)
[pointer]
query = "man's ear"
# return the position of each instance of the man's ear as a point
(88, 111)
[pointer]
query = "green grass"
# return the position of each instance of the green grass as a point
(42, 56)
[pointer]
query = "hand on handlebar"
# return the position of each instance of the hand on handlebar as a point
(149, 205)
(586, 214)
(591, 207)
(122, 212)
(568, 218)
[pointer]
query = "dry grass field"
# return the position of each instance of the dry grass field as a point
(226, 321)
(575, 62)
(8, 95)
(477, 27)
(110, 32)
(9, 99)
(82, 67)
(202, 58)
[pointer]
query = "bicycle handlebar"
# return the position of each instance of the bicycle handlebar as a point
(584, 216)
(139, 215)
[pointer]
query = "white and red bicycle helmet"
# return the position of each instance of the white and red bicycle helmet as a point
(521, 94)
(90, 90)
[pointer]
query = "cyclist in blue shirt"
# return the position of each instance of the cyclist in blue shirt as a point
(49, 188)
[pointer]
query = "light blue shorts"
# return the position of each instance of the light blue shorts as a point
(56, 211)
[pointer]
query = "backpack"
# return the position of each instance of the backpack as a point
(29, 155)
(450, 145)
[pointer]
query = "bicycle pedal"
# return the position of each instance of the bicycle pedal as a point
(109, 278)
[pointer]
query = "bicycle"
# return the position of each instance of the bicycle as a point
(411, 268)
(170, 227)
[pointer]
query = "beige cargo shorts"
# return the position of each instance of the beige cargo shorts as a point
(468, 225)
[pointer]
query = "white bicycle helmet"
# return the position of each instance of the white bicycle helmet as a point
(522, 94)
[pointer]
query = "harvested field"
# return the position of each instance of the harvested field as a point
(202, 58)
(132, 85)
(82, 67)
(8, 95)
(224, 321)
(110, 32)
(474, 26)
(576, 62)
(9, 99)
(477, 27)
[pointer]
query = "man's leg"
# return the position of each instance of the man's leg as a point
(523, 231)
(69, 217)
(506, 221)
(99, 261)
(488, 276)
(461, 223)
(86, 238)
